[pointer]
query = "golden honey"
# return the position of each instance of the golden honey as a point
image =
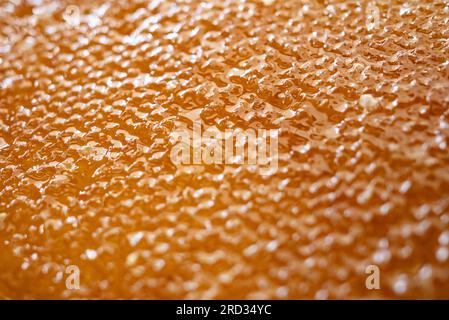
(91, 91)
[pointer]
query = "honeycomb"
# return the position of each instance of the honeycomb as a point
(358, 91)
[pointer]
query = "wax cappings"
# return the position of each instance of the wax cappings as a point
(358, 92)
